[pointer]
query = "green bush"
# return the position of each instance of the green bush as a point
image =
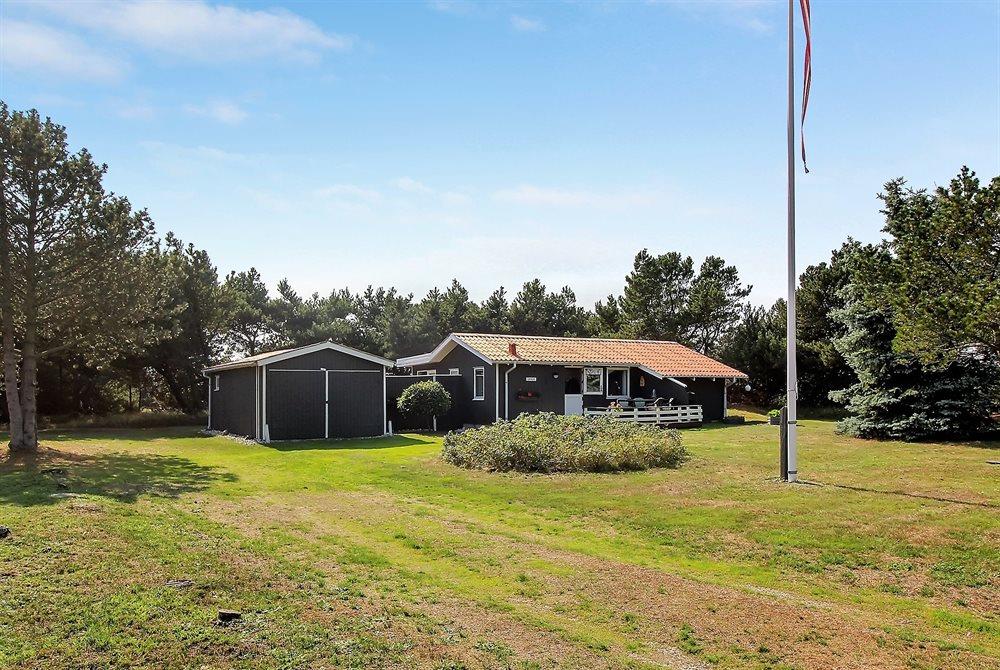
(552, 443)
(424, 399)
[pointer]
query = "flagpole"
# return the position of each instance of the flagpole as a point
(791, 380)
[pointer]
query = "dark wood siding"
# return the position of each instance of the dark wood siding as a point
(708, 394)
(550, 384)
(296, 404)
(326, 358)
(233, 408)
(455, 418)
(472, 411)
(356, 408)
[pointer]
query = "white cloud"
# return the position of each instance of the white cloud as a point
(36, 48)
(411, 185)
(451, 6)
(135, 111)
(527, 194)
(743, 14)
(219, 110)
(204, 32)
(349, 191)
(526, 25)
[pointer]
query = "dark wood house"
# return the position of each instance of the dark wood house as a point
(323, 390)
(501, 376)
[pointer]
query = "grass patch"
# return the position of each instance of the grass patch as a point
(376, 553)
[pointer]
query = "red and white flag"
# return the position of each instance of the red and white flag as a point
(807, 76)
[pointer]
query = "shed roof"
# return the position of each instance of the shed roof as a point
(284, 354)
(663, 358)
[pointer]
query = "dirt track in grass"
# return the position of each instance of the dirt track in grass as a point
(761, 627)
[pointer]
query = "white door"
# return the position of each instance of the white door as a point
(574, 404)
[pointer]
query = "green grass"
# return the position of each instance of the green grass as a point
(375, 553)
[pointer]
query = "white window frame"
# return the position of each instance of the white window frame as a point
(454, 371)
(600, 376)
(427, 373)
(478, 373)
(216, 387)
(607, 383)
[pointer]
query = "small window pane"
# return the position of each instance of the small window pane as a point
(479, 385)
(593, 380)
(617, 383)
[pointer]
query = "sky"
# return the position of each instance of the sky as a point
(408, 143)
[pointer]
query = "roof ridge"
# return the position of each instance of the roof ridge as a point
(560, 337)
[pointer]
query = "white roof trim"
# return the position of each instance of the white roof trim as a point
(301, 351)
(439, 352)
(678, 382)
(320, 346)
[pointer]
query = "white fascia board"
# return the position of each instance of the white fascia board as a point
(678, 382)
(440, 351)
(321, 346)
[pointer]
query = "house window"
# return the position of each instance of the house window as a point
(427, 372)
(454, 371)
(618, 383)
(593, 381)
(479, 383)
(216, 382)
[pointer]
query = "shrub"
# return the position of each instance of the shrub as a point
(552, 443)
(424, 399)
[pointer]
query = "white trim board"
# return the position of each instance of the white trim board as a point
(439, 352)
(302, 351)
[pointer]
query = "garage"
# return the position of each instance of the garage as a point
(323, 390)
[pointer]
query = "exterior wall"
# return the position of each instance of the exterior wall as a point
(471, 411)
(326, 358)
(708, 394)
(645, 385)
(233, 405)
(550, 384)
(356, 405)
(296, 405)
(454, 419)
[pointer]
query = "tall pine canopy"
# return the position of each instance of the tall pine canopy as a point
(69, 260)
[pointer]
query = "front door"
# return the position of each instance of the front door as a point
(574, 404)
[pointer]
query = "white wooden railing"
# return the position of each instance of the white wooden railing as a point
(659, 415)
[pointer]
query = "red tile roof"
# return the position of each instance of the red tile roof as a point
(668, 359)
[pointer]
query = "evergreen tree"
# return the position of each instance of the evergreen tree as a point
(494, 313)
(756, 346)
(821, 367)
(715, 303)
(654, 304)
(896, 396)
(947, 302)
(250, 328)
(68, 257)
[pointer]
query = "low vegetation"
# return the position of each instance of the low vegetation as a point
(551, 443)
(125, 544)
(424, 400)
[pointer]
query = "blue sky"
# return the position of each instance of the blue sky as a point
(406, 143)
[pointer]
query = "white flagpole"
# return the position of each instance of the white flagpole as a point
(791, 380)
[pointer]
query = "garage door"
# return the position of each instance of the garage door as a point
(295, 404)
(356, 403)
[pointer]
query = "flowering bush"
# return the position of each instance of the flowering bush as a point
(552, 443)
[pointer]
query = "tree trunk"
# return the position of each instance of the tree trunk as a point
(29, 403)
(176, 391)
(10, 385)
(29, 358)
(11, 389)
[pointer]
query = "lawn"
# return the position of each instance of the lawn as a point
(375, 553)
